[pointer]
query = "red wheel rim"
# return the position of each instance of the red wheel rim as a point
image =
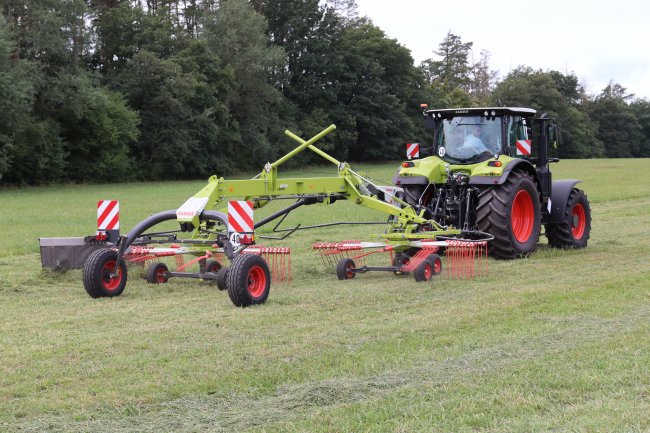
(160, 275)
(437, 266)
(522, 216)
(579, 221)
(111, 283)
(349, 272)
(428, 271)
(256, 281)
(214, 268)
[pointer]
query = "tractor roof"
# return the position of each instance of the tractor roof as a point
(499, 111)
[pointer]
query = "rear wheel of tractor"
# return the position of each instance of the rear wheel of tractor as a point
(222, 277)
(510, 212)
(157, 273)
(429, 267)
(248, 280)
(101, 278)
(344, 269)
(574, 229)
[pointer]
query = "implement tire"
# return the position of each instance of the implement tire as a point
(511, 213)
(248, 280)
(222, 277)
(430, 266)
(157, 273)
(212, 266)
(574, 229)
(97, 274)
(344, 269)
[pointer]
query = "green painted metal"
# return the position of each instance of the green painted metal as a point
(434, 168)
(267, 185)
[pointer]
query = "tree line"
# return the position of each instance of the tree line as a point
(113, 90)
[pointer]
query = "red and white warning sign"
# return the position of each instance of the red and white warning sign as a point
(412, 150)
(523, 147)
(240, 222)
(108, 218)
(108, 215)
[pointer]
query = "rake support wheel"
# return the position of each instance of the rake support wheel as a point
(344, 269)
(100, 276)
(573, 231)
(157, 273)
(430, 266)
(400, 260)
(222, 277)
(248, 280)
(212, 266)
(511, 213)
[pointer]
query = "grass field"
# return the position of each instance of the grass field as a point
(559, 341)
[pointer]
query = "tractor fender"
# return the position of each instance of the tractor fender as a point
(167, 215)
(519, 164)
(560, 191)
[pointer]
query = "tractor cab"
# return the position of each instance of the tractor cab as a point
(474, 135)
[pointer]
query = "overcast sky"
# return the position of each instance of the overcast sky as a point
(597, 40)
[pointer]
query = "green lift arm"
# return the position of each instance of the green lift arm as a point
(267, 186)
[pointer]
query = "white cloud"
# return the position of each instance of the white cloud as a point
(597, 40)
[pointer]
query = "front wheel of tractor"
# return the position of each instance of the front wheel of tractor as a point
(574, 229)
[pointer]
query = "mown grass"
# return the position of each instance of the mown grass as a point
(558, 341)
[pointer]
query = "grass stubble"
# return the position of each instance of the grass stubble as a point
(554, 342)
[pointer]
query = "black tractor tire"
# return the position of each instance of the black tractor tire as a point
(156, 273)
(222, 278)
(574, 229)
(96, 274)
(248, 280)
(429, 267)
(344, 269)
(511, 213)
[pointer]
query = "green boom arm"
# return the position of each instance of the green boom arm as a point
(267, 186)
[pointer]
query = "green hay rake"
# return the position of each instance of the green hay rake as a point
(413, 242)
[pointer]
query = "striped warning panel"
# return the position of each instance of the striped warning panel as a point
(240, 216)
(108, 215)
(412, 150)
(523, 147)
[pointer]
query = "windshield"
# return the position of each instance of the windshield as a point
(468, 139)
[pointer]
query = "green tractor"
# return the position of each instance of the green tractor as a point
(488, 171)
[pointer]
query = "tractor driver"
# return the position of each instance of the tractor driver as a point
(474, 142)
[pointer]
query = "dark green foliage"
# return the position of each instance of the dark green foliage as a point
(15, 100)
(618, 128)
(557, 95)
(236, 34)
(111, 90)
(65, 125)
(379, 92)
(159, 90)
(641, 111)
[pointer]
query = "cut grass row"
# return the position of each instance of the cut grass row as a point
(554, 342)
